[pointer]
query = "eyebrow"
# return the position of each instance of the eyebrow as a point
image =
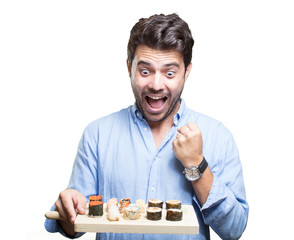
(172, 64)
(141, 62)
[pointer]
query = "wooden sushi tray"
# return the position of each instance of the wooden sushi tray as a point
(84, 223)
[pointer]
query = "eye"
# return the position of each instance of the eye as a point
(170, 74)
(144, 72)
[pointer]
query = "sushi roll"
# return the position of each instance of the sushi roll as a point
(113, 213)
(112, 202)
(154, 213)
(141, 204)
(125, 202)
(95, 208)
(173, 204)
(95, 198)
(173, 214)
(132, 213)
(155, 203)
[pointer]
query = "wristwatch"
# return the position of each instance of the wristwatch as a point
(193, 173)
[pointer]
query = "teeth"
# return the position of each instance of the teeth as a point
(155, 98)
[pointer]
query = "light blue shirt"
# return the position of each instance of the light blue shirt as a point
(117, 157)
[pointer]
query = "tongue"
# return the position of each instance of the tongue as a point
(155, 103)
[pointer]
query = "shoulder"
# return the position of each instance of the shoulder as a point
(202, 119)
(210, 127)
(107, 121)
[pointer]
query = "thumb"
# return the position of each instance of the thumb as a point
(81, 209)
(81, 205)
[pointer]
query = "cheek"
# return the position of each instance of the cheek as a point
(136, 86)
(139, 82)
(176, 88)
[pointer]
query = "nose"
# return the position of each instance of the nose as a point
(156, 82)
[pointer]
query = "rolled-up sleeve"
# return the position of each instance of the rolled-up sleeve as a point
(226, 209)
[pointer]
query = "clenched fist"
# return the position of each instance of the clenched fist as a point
(188, 145)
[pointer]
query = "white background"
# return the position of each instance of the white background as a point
(62, 65)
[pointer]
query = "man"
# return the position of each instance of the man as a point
(141, 152)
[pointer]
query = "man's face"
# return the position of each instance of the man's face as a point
(157, 78)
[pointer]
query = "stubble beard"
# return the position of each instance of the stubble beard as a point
(171, 109)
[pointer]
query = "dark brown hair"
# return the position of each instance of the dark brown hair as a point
(162, 32)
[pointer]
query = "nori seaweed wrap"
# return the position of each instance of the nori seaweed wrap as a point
(95, 208)
(174, 214)
(154, 213)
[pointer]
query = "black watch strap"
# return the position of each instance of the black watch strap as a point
(202, 166)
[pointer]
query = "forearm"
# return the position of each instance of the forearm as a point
(203, 185)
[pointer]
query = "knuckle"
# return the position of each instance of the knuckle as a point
(186, 129)
(190, 134)
(61, 195)
(64, 194)
(191, 124)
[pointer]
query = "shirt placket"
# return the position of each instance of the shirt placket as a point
(153, 191)
(155, 161)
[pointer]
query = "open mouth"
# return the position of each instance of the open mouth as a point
(155, 103)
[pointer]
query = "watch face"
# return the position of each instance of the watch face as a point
(192, 173)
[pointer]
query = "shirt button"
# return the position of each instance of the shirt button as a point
(138, 114)
(152, 188)
(155, 159)
(145, 129)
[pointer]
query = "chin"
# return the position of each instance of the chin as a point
(155, 118)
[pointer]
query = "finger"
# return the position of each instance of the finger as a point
(68, 207)
(192, 126)
(174, 144)
(180, 137)
(59, 209)
(183, 130)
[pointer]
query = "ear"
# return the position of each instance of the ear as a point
(188, 70)
(129, 67)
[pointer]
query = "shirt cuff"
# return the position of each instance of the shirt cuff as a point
(216, 195)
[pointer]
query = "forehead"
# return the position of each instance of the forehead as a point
(155, 56)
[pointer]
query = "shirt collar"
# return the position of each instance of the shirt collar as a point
(180, 112)
(137, 114)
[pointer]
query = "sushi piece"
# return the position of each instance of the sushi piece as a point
(141, 204)
(113, 213)
(155, 203)
(154, 213)
(95, 208)
(111, 202)
(132, 213)
(125, 202)
(173, 204)
(174, 214)
(95, 198)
